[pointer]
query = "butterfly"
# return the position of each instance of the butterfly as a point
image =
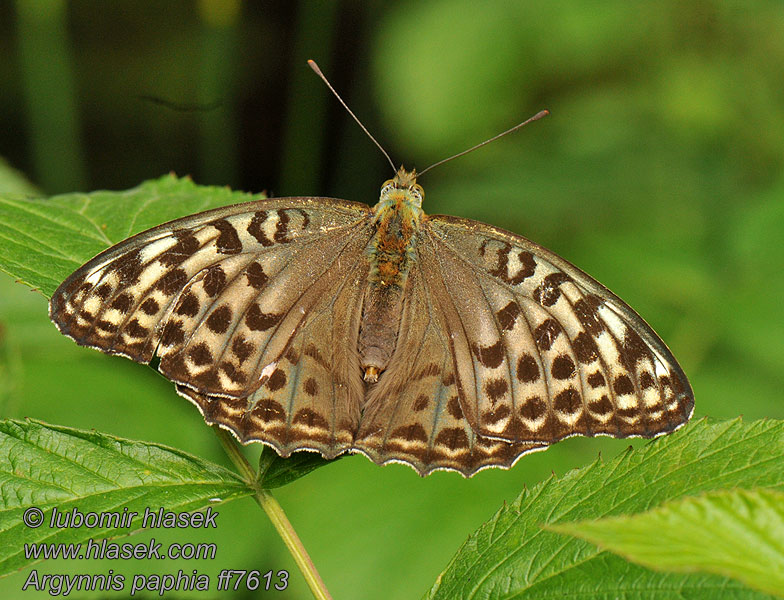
(319, 324)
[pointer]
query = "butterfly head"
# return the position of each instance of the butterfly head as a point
(402, 189)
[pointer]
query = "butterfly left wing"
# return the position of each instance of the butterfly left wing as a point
(541, 350)
(218, 296)
(311, 399)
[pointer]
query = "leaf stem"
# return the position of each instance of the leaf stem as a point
(275, 513)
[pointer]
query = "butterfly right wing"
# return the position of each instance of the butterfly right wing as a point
(542, 350)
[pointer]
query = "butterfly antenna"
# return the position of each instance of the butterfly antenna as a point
(536, 117)
(318, 72)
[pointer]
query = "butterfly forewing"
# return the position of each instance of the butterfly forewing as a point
(553, 353)
(211, 293)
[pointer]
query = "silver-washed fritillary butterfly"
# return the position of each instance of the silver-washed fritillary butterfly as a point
(326, 325)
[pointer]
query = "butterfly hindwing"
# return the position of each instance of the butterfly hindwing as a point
(311, 396)
(414, 414)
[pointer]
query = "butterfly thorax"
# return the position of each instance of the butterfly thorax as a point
(397, 218)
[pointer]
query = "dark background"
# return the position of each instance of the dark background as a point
(659, 172)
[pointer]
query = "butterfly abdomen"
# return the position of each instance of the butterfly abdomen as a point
(391, 253)
(381, 311)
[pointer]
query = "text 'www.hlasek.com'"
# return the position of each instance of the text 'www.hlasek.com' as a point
(61, 537)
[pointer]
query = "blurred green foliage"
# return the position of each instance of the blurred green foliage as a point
(660, 172)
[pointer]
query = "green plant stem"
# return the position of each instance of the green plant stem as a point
(275, 513)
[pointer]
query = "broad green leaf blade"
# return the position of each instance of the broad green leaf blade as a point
(47, 466)
(512, 556)
(607, 576)
(275, 471)
(43, 240)
(737, 533)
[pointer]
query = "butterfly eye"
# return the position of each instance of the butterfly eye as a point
(418, 192)
(387, 187)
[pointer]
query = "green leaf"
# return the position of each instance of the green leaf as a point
(512, 556)
(13, 182)
(47, 466)
(43, 240)
(737, 533)
(275, 471)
